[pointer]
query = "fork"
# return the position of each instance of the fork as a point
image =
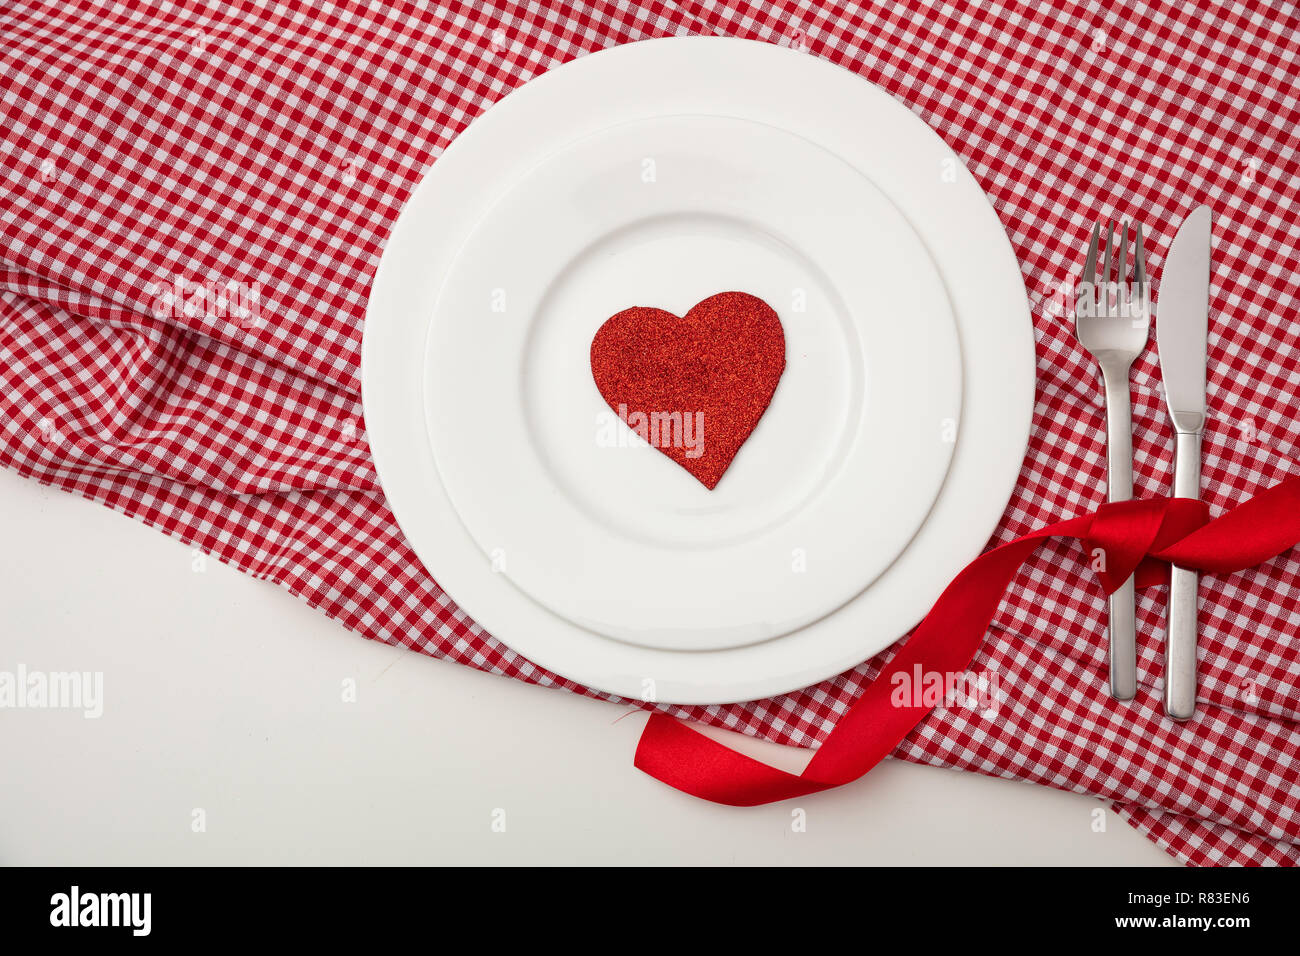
(1112, 321)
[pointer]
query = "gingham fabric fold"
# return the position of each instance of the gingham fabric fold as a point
(261, 153)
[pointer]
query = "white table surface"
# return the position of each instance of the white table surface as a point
(223, 694)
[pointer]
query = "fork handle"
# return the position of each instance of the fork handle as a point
(1180, 632)
(1119, 487)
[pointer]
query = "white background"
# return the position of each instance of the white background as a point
(224, 694)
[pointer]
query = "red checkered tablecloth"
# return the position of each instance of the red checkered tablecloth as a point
(262, 151)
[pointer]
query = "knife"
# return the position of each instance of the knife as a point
(1182, 329)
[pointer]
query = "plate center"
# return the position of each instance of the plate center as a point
(624, 483)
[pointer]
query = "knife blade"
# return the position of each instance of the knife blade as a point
(1182, 320)
(1182, 332)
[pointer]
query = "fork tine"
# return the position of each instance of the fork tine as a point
(1090, 265)
(1122, 276)
(1123, 294)
(1105, 270)
(1140, 265)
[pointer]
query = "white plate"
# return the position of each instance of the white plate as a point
(804, 97)
(840, 472)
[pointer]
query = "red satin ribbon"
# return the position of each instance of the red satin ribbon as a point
(1134, 536)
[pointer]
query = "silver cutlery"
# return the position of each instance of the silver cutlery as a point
(1182, 330)
(1112, 322)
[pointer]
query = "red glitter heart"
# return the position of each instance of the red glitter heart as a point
(694, 386)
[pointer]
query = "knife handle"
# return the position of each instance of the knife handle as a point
(1180, 633)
